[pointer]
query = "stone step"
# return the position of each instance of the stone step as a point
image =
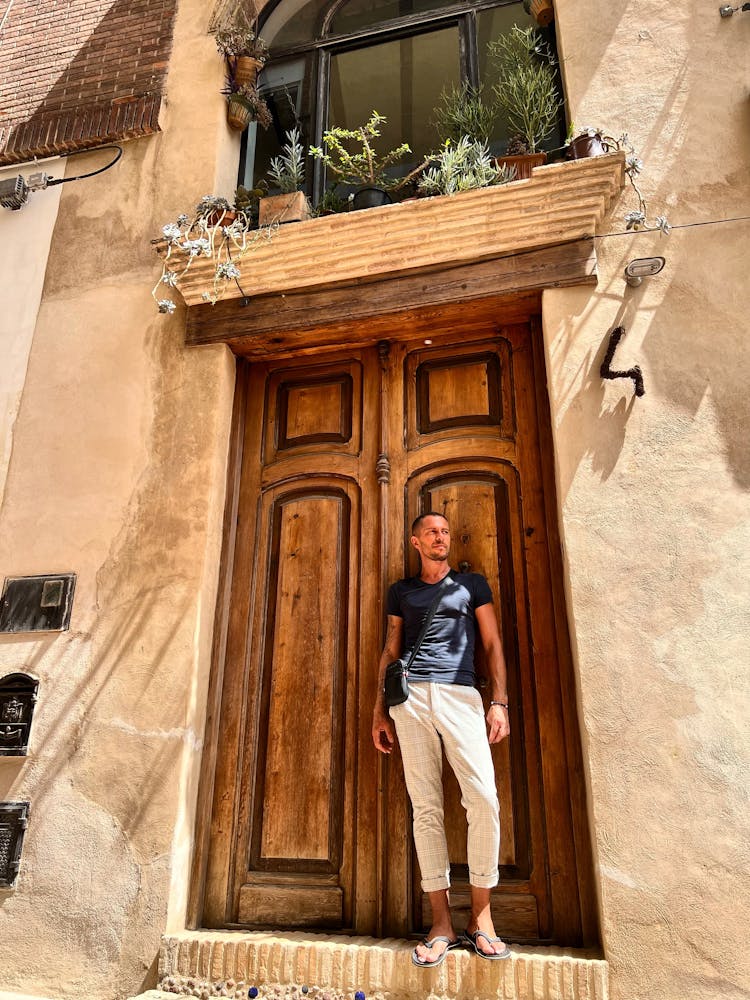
(315, 966)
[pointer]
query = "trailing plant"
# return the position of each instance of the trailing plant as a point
(365, 167)
(462, 166)
(526, 91)
(636, 219)
(247, 94)
(287, 170)
(216, 230)
(463, 111)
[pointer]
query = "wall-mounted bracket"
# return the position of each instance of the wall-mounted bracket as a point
(606, 371)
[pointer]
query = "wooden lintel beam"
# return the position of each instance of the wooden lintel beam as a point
(271, 323)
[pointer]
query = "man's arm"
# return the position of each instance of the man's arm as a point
(497, 717)
(383, 733)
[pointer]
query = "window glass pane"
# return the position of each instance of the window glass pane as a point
(400, 79)
(491, 24)
(294, 22)
(282, 85)
(363, 13)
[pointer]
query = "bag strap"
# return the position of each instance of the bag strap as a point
(428, 620)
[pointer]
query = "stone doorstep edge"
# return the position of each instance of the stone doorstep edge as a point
(382, 968)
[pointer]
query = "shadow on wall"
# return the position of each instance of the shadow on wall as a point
(584, 46)
(686, 327)
(592, 429)
(697, 350)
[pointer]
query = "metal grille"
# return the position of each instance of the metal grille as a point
(13, 821)
(6, 842)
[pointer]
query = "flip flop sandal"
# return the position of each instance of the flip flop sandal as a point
(471, 940)
(441, 957)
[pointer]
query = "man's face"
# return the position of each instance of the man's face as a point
(432, 539)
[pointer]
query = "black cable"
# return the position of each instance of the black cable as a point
(76, 152)
(657, 229)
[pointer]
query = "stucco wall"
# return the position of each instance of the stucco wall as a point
(654, 505)
(117, 473)
(25, 236)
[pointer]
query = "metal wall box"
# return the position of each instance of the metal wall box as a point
(14, 818)
(37, 603)
(17, 700)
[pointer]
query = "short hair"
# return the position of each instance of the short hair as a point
(429, 513)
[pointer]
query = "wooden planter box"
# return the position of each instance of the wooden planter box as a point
(282, 208)
(560, 203)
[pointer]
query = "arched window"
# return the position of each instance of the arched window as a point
(333, 63)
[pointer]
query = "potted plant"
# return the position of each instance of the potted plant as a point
(526, 93)
(364, 169)
(287, 172)
(245, 105)
(225, 233)
(463, 111)
(542, 11)
(462, 166)
(332, 203)
(244, 50)
(595, 141)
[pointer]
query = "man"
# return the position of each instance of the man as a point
(444, 710)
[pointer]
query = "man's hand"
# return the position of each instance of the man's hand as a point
(498, 722)
(383, 733)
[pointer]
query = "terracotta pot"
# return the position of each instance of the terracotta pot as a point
(586, 145)
(239, 113)
(542, 11)
(293, 207)
(523, 164)
(221, 218)
(246, 69)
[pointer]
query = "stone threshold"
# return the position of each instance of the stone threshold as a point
(381, 968)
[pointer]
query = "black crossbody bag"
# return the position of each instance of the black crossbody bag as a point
(396, 685)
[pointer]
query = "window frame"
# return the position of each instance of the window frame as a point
(320, 50)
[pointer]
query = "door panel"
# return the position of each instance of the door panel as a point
(295, 835)
(311, 827)
(309, 556)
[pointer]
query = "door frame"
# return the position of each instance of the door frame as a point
(207, 900)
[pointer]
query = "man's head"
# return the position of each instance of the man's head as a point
(431, 537)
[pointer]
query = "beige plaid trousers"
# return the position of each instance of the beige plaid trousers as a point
(449, 716)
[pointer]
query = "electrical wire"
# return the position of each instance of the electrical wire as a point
(76, 152)
(657, 229)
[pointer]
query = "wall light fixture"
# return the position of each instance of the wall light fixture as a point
(643, 267)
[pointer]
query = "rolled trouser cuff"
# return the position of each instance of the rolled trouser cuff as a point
(436, 884)
(484, 881)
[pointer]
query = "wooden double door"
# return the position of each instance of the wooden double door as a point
(310, 826)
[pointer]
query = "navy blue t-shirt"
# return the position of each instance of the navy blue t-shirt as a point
(447, 651)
